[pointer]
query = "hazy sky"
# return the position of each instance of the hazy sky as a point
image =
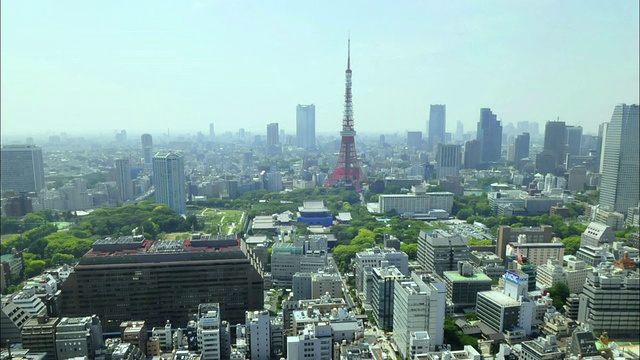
(146, 66)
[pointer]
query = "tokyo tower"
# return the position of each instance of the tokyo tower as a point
(347, 173)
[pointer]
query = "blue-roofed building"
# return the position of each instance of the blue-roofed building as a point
(314, 213)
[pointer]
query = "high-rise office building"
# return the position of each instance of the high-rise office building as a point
(123, 180)
(440, 251)
(619, 184)
(609, 302)
(490, 136)
(147, 148)
(414, 140)
(574, 138)
(419, 304)
(22, 168)
(449, 159)
(273, 135)
(472, 154)
(459, 131)
(437, 126)
(169, 181)
(208, 332)
(521, 147)
(158, 280)
(555, 140)
(212, 133)
(306, 126)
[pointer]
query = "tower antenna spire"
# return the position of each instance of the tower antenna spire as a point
(349, 51)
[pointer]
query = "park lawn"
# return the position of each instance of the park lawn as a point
(226, 218)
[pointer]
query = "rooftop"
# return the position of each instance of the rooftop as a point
(499, 298)
(137, 249)
(455, 276)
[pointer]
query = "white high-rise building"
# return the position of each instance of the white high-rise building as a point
(258, 326)
(22, 168)
(208, 332)
(419, 305)
(169, 181)
(620, 153)
(306, 126)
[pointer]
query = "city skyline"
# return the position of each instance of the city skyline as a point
(182, 67)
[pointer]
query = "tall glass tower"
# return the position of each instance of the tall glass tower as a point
(619, 183)
(437, 125)
(306, 127)
(490, 136)
(22, 168)
(169, 181)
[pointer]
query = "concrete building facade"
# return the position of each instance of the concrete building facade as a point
(440, 251)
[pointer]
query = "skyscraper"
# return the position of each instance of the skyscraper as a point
(459, 131)
(437, 125)
(123, 180)
(619, 184)
(449, 159)
(169, 181)
(472, 154)
(414, 140)
(22, 168)
(306, 126)
(574, 137)
(555, 139)
(147, 148)
(273, 135)
(522, 147)
(490, 136)
(212, 134)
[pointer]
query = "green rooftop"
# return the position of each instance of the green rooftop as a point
(6, 257)
(455, 276)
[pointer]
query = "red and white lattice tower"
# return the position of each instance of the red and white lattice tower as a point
(347, 173)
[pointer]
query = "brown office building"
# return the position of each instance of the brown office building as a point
(158, 280)
(535, 234)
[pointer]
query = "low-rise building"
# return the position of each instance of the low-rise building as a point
(542, 349)
(464, 285)
(536, 253)
(78, 337)
(593, 256)
(39, 334)
(314, 342)
(596, 235)
(12, 318)
(511, 309)
(551, 273)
